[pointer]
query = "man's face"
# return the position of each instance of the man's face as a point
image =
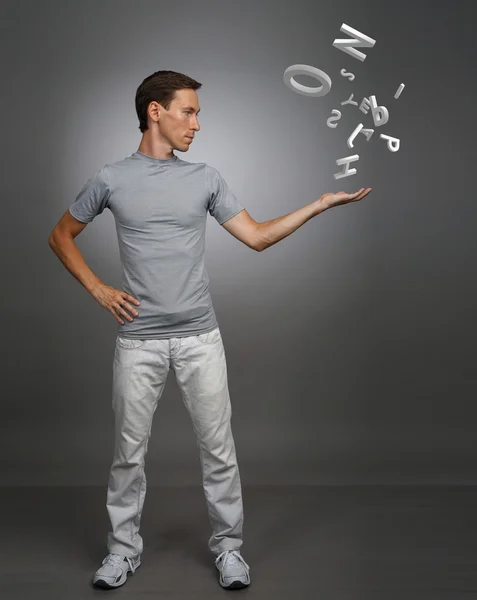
(180, 122)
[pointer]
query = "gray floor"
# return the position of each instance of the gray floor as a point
(301, 542)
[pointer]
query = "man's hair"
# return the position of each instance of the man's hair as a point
(161, 87)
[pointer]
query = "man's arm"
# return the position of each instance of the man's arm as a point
(67, 251)
(262, 235)
(271, 232)
(61, 241)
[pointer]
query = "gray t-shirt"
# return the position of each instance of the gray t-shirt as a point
(160, 209)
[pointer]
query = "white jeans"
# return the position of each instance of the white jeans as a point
(140, 371)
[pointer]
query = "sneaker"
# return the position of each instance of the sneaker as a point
(234, 571)
(114, 570)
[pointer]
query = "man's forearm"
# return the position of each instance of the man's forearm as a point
(67, 251)
(271, 232)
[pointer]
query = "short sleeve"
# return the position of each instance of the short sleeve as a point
(223, 205)
(93, 198)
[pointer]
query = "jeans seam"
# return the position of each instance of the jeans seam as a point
(143, 464)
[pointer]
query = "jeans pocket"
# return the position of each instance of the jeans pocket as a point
(210, 337)
(129, 344)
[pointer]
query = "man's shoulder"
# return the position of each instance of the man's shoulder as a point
(122, 163)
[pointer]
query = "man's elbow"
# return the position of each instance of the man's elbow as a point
(258, 244)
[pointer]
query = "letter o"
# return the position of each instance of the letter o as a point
(305, 90)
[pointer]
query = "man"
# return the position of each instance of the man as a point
(165, 313)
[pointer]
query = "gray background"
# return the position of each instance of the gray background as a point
(350, 344)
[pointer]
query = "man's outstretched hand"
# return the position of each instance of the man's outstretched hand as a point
(329, 200)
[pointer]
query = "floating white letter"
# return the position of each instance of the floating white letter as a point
(347, 171)
(362, 41)
(400, 89)
(350, 76)
(367, 132)
(305, 90)
(393, 143)
(334, 118)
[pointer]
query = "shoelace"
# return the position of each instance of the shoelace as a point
(116, 560)
(231, 556)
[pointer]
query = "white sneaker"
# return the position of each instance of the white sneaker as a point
(234, 571)
(114, 570)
